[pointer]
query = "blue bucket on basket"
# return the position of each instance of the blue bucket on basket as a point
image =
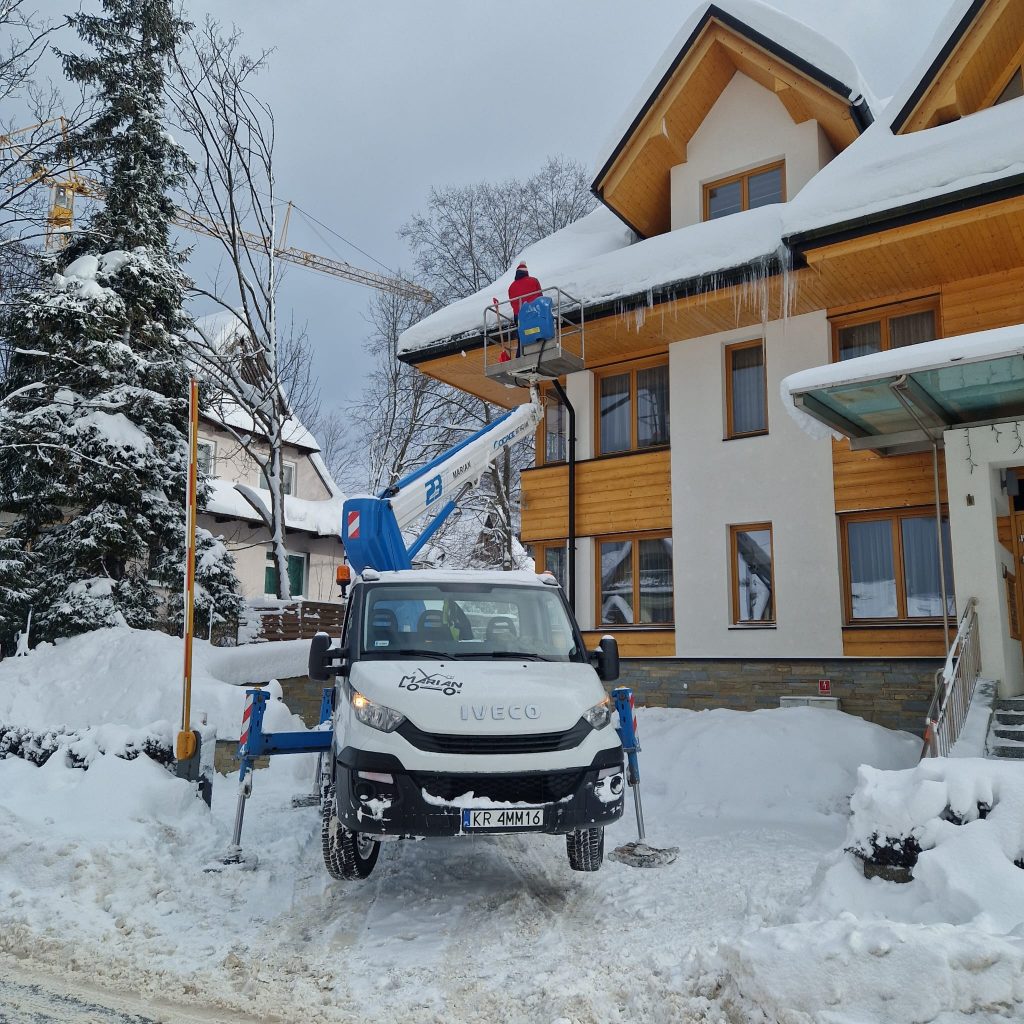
(536, 321)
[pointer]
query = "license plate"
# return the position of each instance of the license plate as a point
(503, 818)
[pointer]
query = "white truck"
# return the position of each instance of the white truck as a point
(466, 704)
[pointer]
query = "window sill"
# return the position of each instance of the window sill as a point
(645, 628)
(745, 437)
(903, 624)
(743, 626)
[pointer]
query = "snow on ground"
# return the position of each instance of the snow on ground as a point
(133, 677)
(101, 873)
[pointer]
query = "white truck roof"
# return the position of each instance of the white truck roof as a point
(517, 577)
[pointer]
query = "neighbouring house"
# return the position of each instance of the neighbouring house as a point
(313, 502)
(764, 215)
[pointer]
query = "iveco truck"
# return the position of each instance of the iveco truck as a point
(465, 704)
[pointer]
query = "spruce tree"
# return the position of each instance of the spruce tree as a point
(93, 452)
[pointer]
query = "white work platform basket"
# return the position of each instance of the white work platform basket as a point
(508, 361)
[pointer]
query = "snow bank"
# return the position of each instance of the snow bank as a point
(949, 942)
(132, 677)
(714, 764)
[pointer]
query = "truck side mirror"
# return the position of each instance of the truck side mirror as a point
(606, 659)
(325, 662)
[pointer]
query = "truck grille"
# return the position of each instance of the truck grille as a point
(535, 788)
(527, 743)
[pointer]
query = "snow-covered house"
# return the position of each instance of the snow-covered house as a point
(313, 500)
(762, 214)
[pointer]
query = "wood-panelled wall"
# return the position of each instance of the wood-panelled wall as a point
(894, 641)
(864, 480)
(658, 643)
(622, 494)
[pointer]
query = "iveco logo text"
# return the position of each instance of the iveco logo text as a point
(508, 438)
(499, 712)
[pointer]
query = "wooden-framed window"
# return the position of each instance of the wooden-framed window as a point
(553, 432)
(634, 580)
(206, 455)
(752, 567)
(287, 475)
(747, 191)
(553, 557)
(746, 390)
(891, 566)
(632, 411)
(885, 328)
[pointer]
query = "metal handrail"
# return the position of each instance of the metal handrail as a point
(954, 687)
(503, 328)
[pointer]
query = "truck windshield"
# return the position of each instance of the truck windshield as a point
(468, 620)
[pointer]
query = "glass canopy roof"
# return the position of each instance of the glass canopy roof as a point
(894, 407)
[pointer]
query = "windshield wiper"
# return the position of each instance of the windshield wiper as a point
(411, 652)
(525, 655)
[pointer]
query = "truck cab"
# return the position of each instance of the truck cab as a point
(466, 703)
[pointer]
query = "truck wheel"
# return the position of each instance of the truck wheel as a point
(347, 854)
(585, 848)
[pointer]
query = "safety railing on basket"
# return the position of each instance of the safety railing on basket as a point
(954, 687)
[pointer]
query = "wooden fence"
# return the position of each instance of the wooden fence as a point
(296, 620)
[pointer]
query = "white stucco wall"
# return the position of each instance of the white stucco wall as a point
(978, 557)
(748, 126)
(783, 477)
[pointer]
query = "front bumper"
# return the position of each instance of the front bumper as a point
(427, 804)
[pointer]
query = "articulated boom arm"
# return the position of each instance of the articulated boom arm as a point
(372, 528)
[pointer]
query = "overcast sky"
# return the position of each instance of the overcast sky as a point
(378, 100)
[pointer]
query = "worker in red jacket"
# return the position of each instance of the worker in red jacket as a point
(523, 289)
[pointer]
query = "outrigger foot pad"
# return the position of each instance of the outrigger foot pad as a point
(640, 855)
(309, 800)
(234, 858)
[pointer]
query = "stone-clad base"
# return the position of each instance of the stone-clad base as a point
(895, 693)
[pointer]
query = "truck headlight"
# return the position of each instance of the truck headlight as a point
(376, 716)
(600, 714)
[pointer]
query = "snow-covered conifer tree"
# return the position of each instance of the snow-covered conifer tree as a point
(17, 589)
(93, 430)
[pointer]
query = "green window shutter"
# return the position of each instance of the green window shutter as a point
(296, 574)
(270, 579)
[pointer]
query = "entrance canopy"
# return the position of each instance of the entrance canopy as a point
(902, 400)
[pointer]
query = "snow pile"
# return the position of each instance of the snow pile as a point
(950, 941)
(470, 929)
(131, 677)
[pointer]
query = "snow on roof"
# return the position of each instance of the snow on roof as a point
(882, 171)
(963, 349)
(567, 259)
(785, 31)
(321, 518)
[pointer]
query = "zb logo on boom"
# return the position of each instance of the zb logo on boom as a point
(434, 489)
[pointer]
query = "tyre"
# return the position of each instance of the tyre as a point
(347, 854)
(585, 848)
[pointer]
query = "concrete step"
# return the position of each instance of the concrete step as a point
(1011, 704)
(1006, 732)
(1010, 718)
(1004, 752)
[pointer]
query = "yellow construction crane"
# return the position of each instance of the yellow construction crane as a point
(61, 215)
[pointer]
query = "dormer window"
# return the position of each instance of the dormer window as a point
(1013, 89)
(759, 187)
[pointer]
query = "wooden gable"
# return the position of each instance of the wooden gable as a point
(971, 70)
(634, 183)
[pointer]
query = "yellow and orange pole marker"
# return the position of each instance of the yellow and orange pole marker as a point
(185, 747)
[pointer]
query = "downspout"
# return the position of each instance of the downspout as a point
(896, 387)
(563, 398)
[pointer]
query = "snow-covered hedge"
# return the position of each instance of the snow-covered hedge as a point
(82, 746)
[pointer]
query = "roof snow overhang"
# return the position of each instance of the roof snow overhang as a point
(634, 181)
(970, 69)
